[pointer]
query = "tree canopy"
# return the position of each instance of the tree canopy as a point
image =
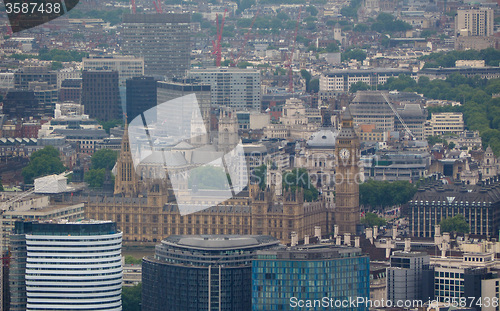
(43, 162)
(481, 111)
(372, 220)
(131, 297)
(456, 224)
(104, 158)
(490, 56)
(102, 162)
(299, 178)
(386, 23)
(357, 54)
(382, 194)
(259, 176)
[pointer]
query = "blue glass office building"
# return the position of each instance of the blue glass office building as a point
(310, 278)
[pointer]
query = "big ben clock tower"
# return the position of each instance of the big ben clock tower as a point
(347, 177)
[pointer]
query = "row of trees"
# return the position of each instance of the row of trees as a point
(481, 111)
(377, 195)
(102, 162)
(43, 162)
(490, 56)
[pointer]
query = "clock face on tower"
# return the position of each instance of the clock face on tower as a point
(344, 154)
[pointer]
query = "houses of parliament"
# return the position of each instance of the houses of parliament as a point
(145, 209)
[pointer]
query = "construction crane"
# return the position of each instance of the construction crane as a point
(132, 2)
(158, 7)
(407, 129)
(217, 51)
(289, 61)
(9, 29)
(235, 60)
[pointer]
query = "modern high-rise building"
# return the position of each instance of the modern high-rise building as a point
(163, 40)
(370, 107)
(409, 277)
(100, 94)
(127, 66)
(232, 87)
(168, 90)
(34, 73)
(65, 266)
(141, 95)
(207, 272)
(280, 278)
(71, 90)
(22, 104)
(474, 22)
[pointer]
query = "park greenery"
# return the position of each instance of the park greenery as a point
(107, 125)
(387, 23)
(102, 162)
(357, 54)
(372, 220)
(456, 224)
(481, 111)
(131, 297)
(131, 260)
(351, 11)
(377, 195)
(299, 178)
(43, 162)
(490, 56)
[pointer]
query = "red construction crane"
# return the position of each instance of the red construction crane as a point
(158, 8)
(132, 2)
(217, 51)
(289, 62)
(235, 60)
(9, 30)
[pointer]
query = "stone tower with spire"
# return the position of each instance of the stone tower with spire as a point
(228, 131)
(126, 178)
(489, 165)
(347, 177)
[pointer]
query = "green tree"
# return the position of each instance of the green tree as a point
(359, 86)
(312, 10)
(131, 297)
(104, 158)
(95, 177)
(314, 86)
(299, 178)
(131, 260)
(332, 47)
(456, 224)
(361, 28)
(56, 66)
(356, 54)
(43, 162)
(107, 125)
(259, 175)
(372, 220)
(382, 194)
(307, 76)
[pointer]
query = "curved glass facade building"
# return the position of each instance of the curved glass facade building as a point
(66, 266)
(202, 272)
(314, 277)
